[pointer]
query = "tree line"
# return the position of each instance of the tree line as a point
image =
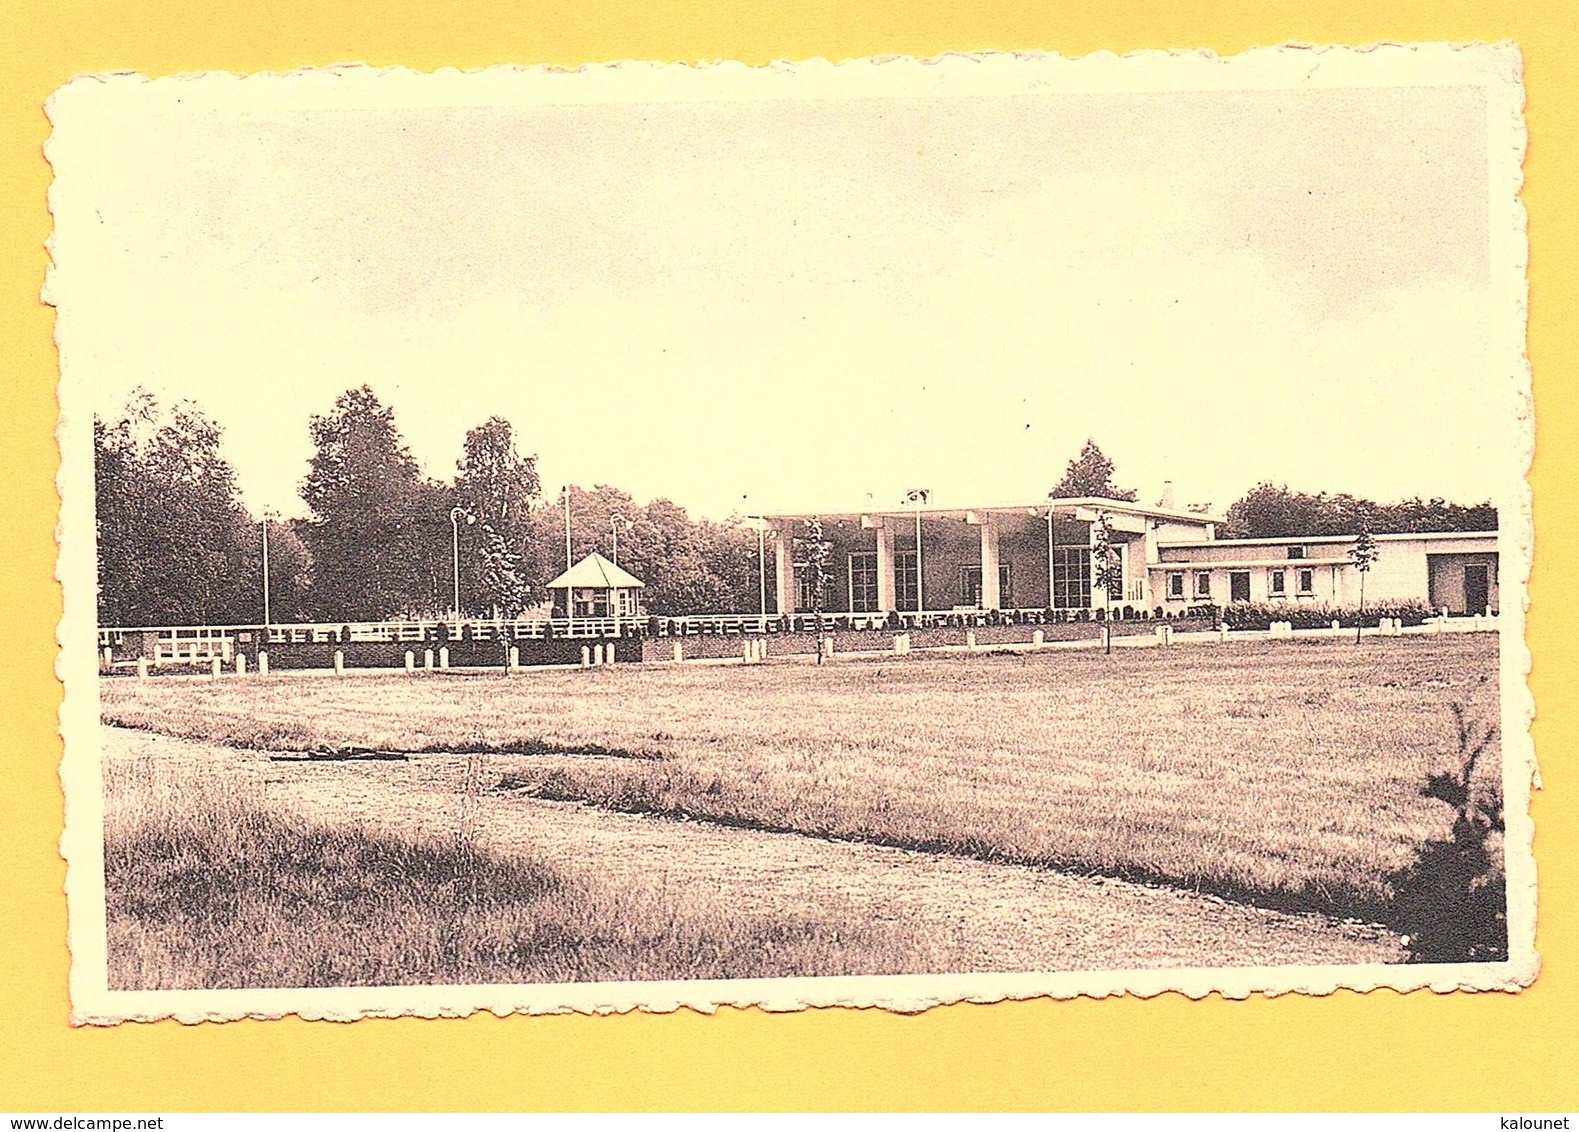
(177, 546)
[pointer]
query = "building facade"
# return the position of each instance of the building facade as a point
(1040, 556)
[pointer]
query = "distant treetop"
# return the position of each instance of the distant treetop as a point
(1273, 511)
(1090, 474)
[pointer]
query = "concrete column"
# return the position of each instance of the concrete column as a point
(784, 569)
(886, 598)
(991, 598)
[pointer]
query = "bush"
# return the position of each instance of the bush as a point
(1261, 614)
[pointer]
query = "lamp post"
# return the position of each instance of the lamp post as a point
(265, 525)
(762, 567)
(1052, 593)
(614, 528)
(565, 491)
(917, 497)
(455, 551)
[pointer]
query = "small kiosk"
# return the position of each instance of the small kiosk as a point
(595, 587)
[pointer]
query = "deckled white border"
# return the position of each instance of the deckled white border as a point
(1496, 68)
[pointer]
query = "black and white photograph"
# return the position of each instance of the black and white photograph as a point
(887, 533)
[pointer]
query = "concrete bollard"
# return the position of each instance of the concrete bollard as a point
(427, 660)
(1038, 638)
(241, 664)
(586, 657)
(339, 662)
(263, 663)
(970, 639)
(679, 652)
(142, 668)
(515, 658)
(214, 667)
(411, 662)
(444, 657)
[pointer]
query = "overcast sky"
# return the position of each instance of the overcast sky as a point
(789, 305)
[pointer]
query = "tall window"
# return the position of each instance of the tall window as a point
(1175, 586)
(1307, 582)
(1203, 586)
(905, 580)
(863, 582)
(803, 601)
(1277, 583)
(1072, 577)
(970, 586)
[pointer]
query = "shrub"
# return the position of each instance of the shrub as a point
(1261, 614)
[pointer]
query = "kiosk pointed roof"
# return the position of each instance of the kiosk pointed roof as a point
(598, 573)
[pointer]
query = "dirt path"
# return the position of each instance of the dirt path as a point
(972, 915)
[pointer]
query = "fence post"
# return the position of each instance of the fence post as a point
(597, 655)
(241, 665)
(1222, 633)
(263, 663)
(515, 658)
(827, 646)
(213, 668)
(1337, 628)
(444, 657)
(679, 652)
(608, 653)
(1038, 638)
(339, 662)
(411, 662)
(109, 657)
(970, 640)
(586, 657)
(427, 660)
(142, 668)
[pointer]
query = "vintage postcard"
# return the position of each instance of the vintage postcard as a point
(887, 533)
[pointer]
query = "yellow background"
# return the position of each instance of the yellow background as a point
(1382, 1050)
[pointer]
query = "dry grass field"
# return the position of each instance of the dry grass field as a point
(210, 885)
(1280, 774)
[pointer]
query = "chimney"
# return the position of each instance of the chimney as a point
(1166, 502)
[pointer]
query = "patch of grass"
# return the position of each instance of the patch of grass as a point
(1287, 774)
(208, 888)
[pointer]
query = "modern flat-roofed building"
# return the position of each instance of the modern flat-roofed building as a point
(1038, 556)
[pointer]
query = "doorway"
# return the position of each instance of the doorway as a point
(1477, 587)
(1239, 585)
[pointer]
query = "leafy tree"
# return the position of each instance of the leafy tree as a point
(173, 537)
(819, 553)
(689, 567)
(1362, 554)
(1090, 475)
(497, 486)
(1106, 573)
(1273, 511)
(379, 534)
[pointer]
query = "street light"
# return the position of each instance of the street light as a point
(265, 525)
(917, 497)
(1052, 594)
(455, 548)
(614, 528)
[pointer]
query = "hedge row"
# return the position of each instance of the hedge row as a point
(1261, 614)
